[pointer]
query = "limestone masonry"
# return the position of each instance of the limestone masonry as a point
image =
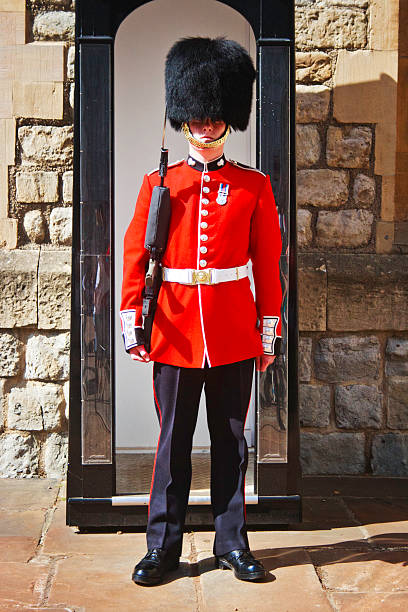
(353, 272)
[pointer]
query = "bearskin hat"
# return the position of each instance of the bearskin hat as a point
(209, 77)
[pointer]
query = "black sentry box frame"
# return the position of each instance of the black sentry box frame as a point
(91, 486)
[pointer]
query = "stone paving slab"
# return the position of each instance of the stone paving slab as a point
(97, 583)
(222, 592)
(21, 582)
(24, 522)
(368, 602)
(61, 539)
(376, 571)
(385, 521)
(27, 493)
(17, 548)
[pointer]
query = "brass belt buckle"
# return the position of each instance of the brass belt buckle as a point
(201, 277)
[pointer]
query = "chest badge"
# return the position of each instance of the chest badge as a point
(222, 194)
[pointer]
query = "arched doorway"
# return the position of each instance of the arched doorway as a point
(92, 476)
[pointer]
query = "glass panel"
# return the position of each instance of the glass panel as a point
(96, 362)
(274, 132)
(95, 260)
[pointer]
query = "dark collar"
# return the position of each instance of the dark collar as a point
(215, 164)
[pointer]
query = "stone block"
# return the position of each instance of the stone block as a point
(13, 27)
(8, 233)
(365, 86)
(314, 67)
(347, 358)
(312, 103)
(54, 290)
(35, 226)
(38, 100)
(308, 146)
(304, 227)
(36, 407)
(384, 237)
(325, 188)
(344, 228)
(18, 288)
(72, 95)
(45, 144)
(71, 63)
(396, 368)
(305, 359)
(67, 181)
(367, 291)
(3, 382)
(54, 25)
(397, 408)
(388, 199)
(6, 96)
(314, 405)
(55, 455)
(397, 348)
(358, 406)
(365, 91)
(7, 142)
(349, 147)
(38, 186)
(40, 62)
(61, 226)
(47, 357)
(326, 26)
(384, 21)
(18, 456)
(65, 389)
(13, 5)
(332, 453)
(10, 354)
(312, 286)
(390, 454)
(364, 190)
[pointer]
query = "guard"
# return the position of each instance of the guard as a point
(208, 330)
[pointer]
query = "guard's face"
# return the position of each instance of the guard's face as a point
(207, 130)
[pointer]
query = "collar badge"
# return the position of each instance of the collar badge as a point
(222, 194)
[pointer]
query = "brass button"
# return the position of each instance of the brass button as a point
(204, 224)
(204, 237)
(203, 249)
(204, 212)
(203, 263)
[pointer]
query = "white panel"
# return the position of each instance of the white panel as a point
(142, 43)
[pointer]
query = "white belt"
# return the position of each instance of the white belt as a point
(211, 276)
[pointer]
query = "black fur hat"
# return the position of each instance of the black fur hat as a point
(209, 77)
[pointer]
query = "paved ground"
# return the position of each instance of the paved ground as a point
(349, 554)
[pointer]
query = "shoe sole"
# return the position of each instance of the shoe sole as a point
(146, 581)
(254, 576)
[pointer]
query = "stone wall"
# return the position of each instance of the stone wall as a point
(36, 135)
(353, 279)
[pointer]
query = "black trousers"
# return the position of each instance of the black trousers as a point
(177, 394)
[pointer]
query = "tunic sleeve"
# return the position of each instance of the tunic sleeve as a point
(135, 258)
(265, 251)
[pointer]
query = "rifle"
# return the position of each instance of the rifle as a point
(157, 230)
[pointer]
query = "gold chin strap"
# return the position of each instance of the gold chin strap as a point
(204, 145)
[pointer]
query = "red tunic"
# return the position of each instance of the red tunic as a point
(220, 322)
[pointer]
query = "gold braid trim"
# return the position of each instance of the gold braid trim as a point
(204, 145)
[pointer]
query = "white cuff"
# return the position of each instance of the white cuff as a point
(127, 319)
(269, 325)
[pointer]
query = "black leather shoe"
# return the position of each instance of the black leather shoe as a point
(244, 565)
(151, 569)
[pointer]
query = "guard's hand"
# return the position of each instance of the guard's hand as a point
(263, 361)
(138, 353)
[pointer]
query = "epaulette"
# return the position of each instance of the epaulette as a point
(179, 161)
(245, 167)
